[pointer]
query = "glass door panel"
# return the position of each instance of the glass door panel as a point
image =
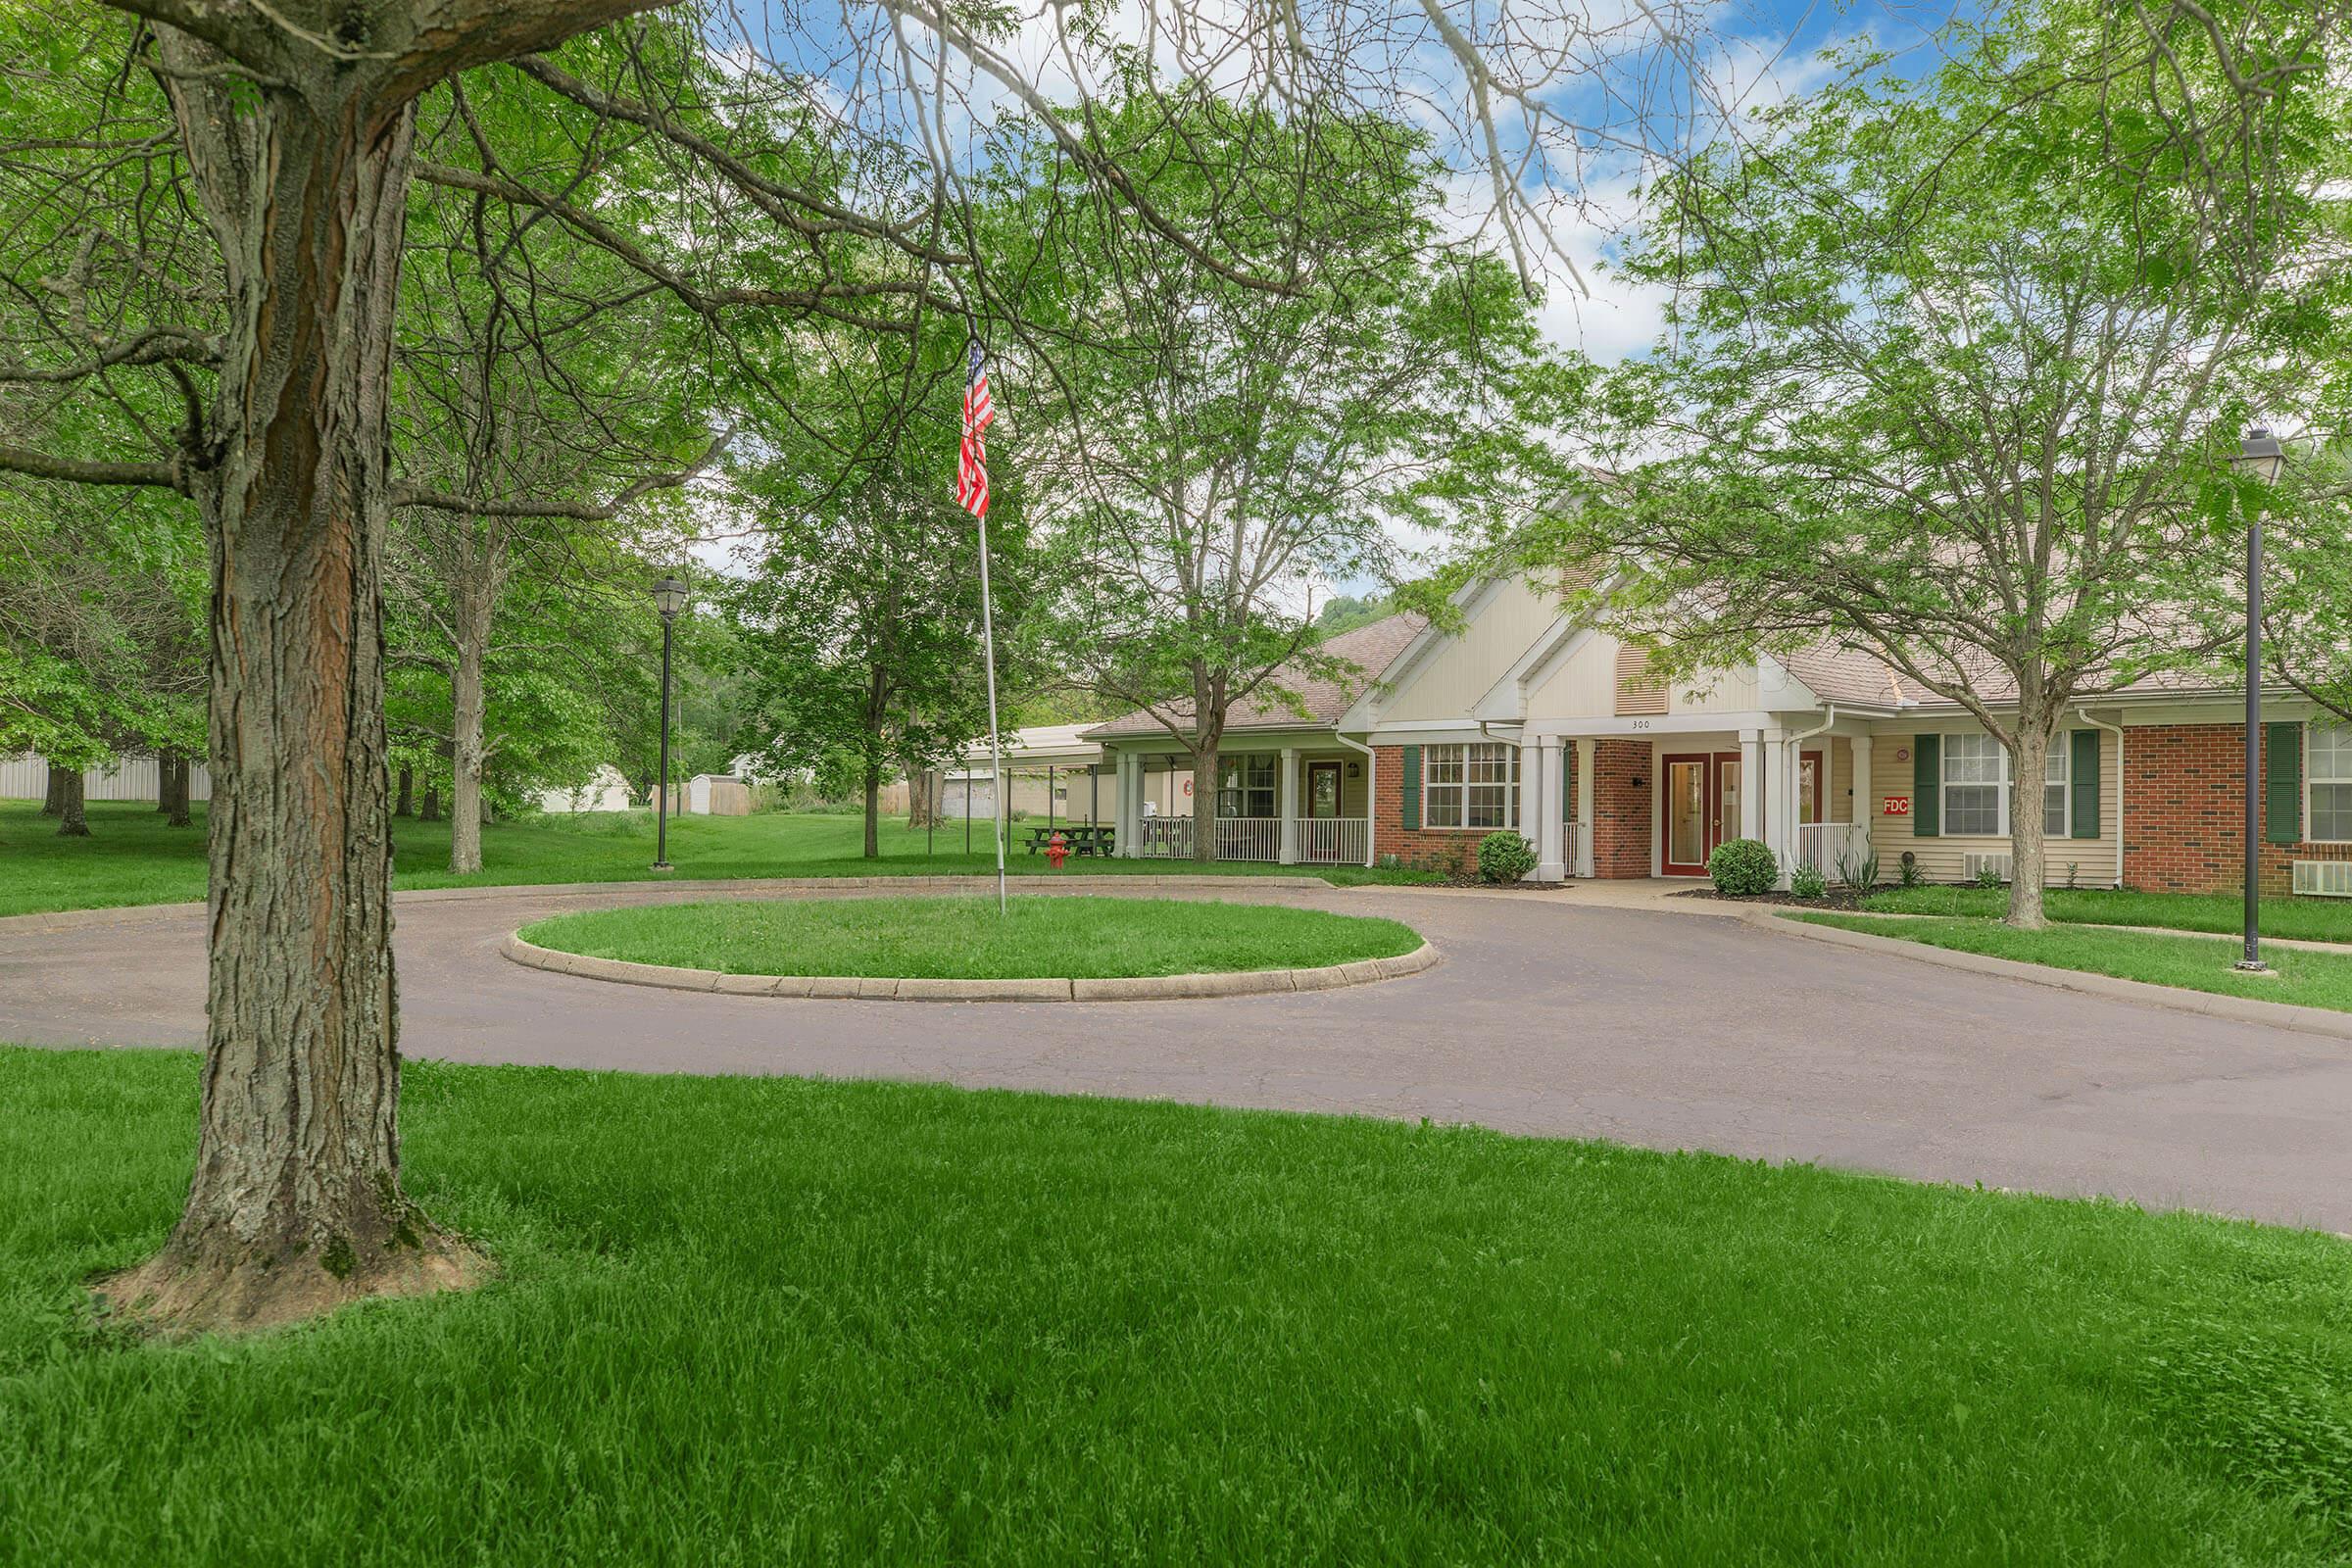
(1686, 813)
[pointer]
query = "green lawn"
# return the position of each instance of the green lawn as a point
(774, 1320)
(132, 857)
(2303, 920)
(965, 939)
(2199, 963)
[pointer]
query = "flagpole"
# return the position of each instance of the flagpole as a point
(996, 748)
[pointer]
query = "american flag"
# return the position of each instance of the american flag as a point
(971, 469)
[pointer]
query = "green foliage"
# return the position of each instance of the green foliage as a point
(1858, 870)
(1808, 882)
(1988, 875)
(1907, 872)
(1504, 856)
(1743, 868)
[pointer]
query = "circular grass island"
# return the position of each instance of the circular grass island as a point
(1084, 943)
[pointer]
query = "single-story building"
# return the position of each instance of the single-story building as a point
(1533, 719)
(709, 795)
(608, 791)
(1052, 770)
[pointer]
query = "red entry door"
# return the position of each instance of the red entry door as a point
(1701, 808)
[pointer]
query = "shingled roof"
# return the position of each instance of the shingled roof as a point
(1370, 648)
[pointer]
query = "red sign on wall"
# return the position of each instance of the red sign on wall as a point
(1897, 805)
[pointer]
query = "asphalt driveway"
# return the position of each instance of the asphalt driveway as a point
(1660, 1029)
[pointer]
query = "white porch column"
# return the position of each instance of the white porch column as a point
(1866, 795)
(1551, 810)
(1125, 796)
(1780, 830)
(1752, 784)
(1285, 809)
(1586, 748)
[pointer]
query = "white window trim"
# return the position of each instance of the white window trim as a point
(2308, 781)
(1511, 788)
(2062, 747)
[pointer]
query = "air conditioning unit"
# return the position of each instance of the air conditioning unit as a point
(2324, 879)
(1974, 866)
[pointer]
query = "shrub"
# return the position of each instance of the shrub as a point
(1504, 856)
(1807, 882)
(1743, 868)
(1858, 870)
(1988, 875)
(1907, 870)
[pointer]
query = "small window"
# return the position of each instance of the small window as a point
(2055, 795)
(2331, 784)
(1246, 785)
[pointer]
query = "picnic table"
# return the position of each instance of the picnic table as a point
(1083, 838)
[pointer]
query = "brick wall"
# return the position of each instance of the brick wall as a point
(1621, 815)
(2184, 812)
(1436, 849)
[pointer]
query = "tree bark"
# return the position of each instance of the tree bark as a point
(431, 811)
(874, 812)
(471, 605)
(1206, 750)
(403, 801)
(163, 783)
(2027, 849)
(72, 822)
(296, 1204)
(53, 796)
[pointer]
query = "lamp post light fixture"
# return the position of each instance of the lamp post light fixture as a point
(669, 597)
(2260, 456)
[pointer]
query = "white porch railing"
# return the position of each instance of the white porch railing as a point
(1330, 841)
(1820, 844)
(1321, 842)
(1580, 849)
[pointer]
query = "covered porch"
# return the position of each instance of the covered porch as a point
(1655, 798)
(1298, 799)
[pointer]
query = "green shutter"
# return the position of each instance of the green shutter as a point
(2086, 783)
(1926, 786)
(1412, 782)
(2283, 784)
(1568, 782)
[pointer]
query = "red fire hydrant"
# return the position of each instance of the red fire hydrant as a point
(1057, 850)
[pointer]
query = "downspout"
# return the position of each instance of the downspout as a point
(1371, 799)
(2083, 714)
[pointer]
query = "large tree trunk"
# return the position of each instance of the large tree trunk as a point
(874, 812)
(1205, 750)
(72, 822)
(430, 809)
(296, 1204)
(2027, 851)
(470, 616)
(53, 796)
(404, 800)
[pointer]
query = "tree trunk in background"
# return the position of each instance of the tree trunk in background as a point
(1204, 800)
(176, 804)
(72, 822)
(431, 811)
(404, 804)
(469, 613)
(2027, 853)
(296, 1202)
(922, 799)
(53, 796)
(163, 783)
(874, 812)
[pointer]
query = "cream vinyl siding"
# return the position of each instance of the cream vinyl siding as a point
(1942, 858)
(1586, 687)
(1837, 802)
(1458, 672)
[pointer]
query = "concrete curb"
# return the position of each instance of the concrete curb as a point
(2212, 1005)
(869, 988)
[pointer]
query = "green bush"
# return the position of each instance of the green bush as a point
(1743, 868)
(1504, 856)
(1807, 882)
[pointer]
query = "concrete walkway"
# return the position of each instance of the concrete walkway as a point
(1553, 1013)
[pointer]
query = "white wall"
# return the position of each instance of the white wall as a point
(133, 778)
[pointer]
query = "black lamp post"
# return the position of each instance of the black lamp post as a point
(2263, 457)
(669, 597)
